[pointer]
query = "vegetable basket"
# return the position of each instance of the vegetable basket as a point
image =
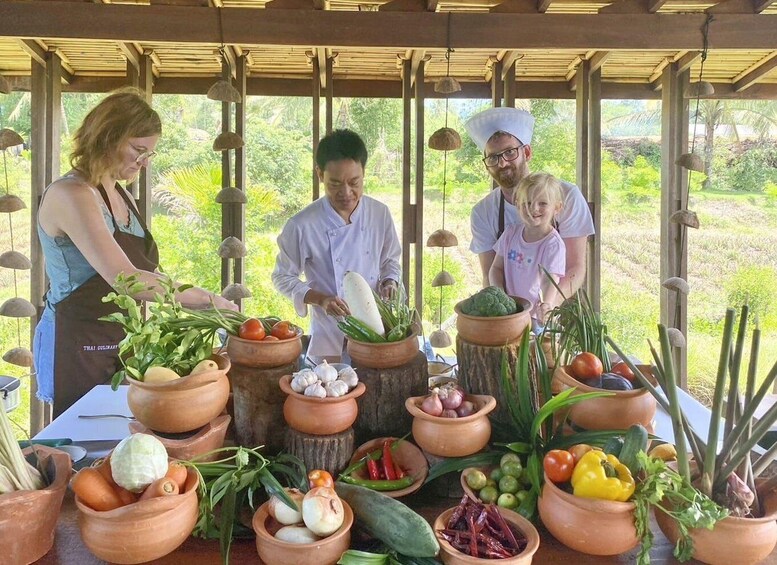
(496, 330)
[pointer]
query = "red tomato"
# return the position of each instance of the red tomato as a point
(623, 370)
(586, 366)
(579, 450)
(558, 465)
(251, 329)
(284, 330)
(270, 338)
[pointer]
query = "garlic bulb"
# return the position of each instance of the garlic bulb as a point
(336, 388)
(325, 372)
(348, 376)
(302, 380)
(315, 390)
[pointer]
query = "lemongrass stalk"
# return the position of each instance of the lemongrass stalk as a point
(743, 449)
(750, 383)
(674, 405)
(763, 462)
(734, 366)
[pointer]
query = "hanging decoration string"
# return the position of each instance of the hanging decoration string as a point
(448, 52)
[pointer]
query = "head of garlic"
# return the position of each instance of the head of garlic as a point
(315, 390)
(325, 372)
(348, 376)
(302, 380)
(336, 388)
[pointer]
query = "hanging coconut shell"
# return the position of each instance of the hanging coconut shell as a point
(443, 278)
(447, 85)
(15, 260)
(677, 284)
(445, 139)
(18, 308)
(235, 291)
(9, 138)
(686, 218)
(232, 248)
(20, 356)
(442, 238)
(676, 337)
(440, 338)
(11, 203)
(227, 140)
(223, 91)
(690, 161)
(5, 86)
(231, 195)
(699, 89)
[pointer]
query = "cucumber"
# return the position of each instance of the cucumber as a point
(613, 446)
(389, 520)
(636, 440)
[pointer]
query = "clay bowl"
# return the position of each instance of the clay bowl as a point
(326, 551)
(206, 439)
(452, 437)
(497, 330)
(451, 556)
(587, 525)
(406, 455)
(463, 480)
(320, 416)
(616, 412)
(28, 518)
(264, 354)
(383, 355)
(181, 405)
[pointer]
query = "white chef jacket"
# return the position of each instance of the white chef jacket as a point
(574, 220)
(320, 244)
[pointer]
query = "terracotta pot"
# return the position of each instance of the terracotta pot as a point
(320, 416)
(497, 330)
(406, 455)
(264, 354)
(181, 405)
(326, 551)
(209, 437)
(452, 437)
(617, 412)
(743, 541)
(587, 525)
(142, 531)
(28, 518)
(451, 556)
(383, 355)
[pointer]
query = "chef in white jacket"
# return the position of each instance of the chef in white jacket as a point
(343, 231)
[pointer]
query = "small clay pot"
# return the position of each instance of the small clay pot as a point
(181, 405)
(587, 525)
(142, 531)
(28, 518)
(264, 354)
(452, 556)
(497, 330)
(326, 551)
(383, 355)
(616, 412)
(406, 455)
(209, 437)
(452, 437)
(320, 416)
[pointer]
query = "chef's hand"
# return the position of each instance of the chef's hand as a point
(334, 306)
(388, 288)
(223, 304)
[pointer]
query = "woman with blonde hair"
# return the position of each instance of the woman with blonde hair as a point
(91, 232)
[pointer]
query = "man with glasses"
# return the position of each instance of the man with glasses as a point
(504, 135)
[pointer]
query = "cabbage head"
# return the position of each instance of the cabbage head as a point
(138, 461)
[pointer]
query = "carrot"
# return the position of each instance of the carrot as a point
(90, 486)
(177, 472)
(104, 467)
(191, 481)
(126, 496)
(160, 487)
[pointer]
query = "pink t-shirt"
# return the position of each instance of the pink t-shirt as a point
(522, 260)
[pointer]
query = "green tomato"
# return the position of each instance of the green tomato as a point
(508, 484)
(497, 474)
(509, 457)
(507, 500)
(521, 495)
(512, 468)
(476, 480)
(488, 495)
(491, 483)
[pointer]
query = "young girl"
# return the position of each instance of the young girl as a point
(534, 241)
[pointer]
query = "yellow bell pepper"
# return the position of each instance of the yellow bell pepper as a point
(602, 476)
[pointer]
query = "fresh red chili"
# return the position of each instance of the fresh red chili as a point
(398, 470)
(372, 469)
(388, 462)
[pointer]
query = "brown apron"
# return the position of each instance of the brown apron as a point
(86, 349)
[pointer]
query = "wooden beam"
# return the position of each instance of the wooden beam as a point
(686, 60)
(289, 5)
(732, 7)
(597, 61)
(404, 6)
(508, 61)
(424, 30)
(757, 72)
(543, 5)
(320, 55)
(34, 50)
(761, 5)
(655, 5)
(432, 5)
(516, 7)
(416, 58)
(626, 7)
(132, 54)
(320, 4)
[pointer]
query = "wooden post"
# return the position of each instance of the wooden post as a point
(593, 257)
(329, 92)
(227, 227)
(316, 122)
(146, 85)
(237, 210)
(331, 453)
(420, 148)
(509, 85)
(407, 210)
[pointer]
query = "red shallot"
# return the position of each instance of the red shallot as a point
(451, 397)
(432, 404)
(466, 408)
(449, 414)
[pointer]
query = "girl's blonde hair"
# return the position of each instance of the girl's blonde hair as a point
(120, 116)
(536, 185)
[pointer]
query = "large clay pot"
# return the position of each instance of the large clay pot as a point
(616, 412)
(181, 405)
(587, 525)
(405, 455)
(326, 551)
(497, 330)
(28, 518)
(320, 416)
(207, 439)
(452, 556)
(383, 355)
(143, 531)
(264, 354)
(452, 437)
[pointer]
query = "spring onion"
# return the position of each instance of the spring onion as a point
(15, 472)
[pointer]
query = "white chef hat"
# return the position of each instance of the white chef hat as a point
(518, 123)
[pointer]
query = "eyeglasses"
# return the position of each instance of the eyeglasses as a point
(508, 155)
(145, 155)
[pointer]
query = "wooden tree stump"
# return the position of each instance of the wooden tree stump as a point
(480, 372)
(332, 452)
(258, 405)
(448, 485)
(382, 408)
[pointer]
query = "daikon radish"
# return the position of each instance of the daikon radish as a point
(358, 295)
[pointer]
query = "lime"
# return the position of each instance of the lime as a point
(508, 484)
(491, 483)
(507, 500)
(497, 474)
(509, 457)
(521, 495)
(488, 495)
(476, 480)
(512, 468)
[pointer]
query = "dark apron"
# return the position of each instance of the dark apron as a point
(86, 349)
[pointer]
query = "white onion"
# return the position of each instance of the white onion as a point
(281, 511)
(296, 534)
(322, 511)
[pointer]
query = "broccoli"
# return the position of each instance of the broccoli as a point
(489, 302)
